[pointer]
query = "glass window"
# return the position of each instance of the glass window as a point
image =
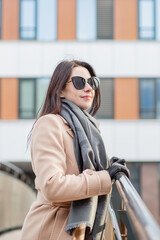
(27, 98)
(86, 19)
(150, 98)
(158, 98)
(157, 19)
(147, 19)
(0, 17)
(104, 19)
(41, 89)
(28, 19)
(147, 98)
(47, 20)
(31, 96)
(106, 108)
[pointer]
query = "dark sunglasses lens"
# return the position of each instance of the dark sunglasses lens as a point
(94, 82)
(78, 82)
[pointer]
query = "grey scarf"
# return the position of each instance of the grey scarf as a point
(90, 154)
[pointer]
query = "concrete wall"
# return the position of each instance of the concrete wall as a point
(15, 200)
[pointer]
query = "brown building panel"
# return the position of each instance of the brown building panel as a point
(125, 19)
(126, 98)
(10, 19)
(66, 19)
(150, 188)
(9, 98)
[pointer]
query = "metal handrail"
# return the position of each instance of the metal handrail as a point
(12, 167)
(10, 230)
(143, 222)
(17, 172)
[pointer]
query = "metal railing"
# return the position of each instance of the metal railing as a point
(17, 172)
(10, 172)
(141, 220)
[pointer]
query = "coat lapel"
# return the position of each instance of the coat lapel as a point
(67, 127)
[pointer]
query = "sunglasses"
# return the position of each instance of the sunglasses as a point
(79, 82)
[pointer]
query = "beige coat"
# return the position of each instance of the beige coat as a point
(58, 181)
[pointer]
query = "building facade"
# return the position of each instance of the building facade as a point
(121, 40)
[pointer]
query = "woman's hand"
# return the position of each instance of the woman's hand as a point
(117, 160)
(117, 166)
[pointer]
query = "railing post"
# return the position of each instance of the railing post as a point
(123, 228)
(144, 225)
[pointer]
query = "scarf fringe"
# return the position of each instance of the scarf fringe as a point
(71, 227)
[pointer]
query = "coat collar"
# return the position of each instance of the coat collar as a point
(67, 128)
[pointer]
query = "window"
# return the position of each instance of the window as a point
(47, 20)
(150, 98)
(106, 108)
(157, 19)
(28, 17)
(41, 89)
(94, 19)
(27, 98)
(0, 18)
(31, 96)
(86, 19)
(104, 19)
(147, 98)
(147, 19)
(158, 98)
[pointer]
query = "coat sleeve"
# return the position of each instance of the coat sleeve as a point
(49, 165)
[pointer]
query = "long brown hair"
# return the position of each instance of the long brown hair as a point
(61, 75)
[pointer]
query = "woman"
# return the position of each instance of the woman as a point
(73, 177)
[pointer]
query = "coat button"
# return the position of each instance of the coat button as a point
(89, 172)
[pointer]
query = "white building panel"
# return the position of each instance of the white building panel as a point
(109, 58)
(124, 59)
(149, 139)
(29, 59)
(13, 140)
(133, 140)
(147, 59)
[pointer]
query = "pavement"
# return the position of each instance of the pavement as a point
(13, 235)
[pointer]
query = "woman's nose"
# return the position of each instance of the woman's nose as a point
(88, 87)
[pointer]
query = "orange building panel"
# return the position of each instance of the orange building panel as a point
(66, 19)
(10, 19)
(125, 19)
(9, 98)
(126, 98)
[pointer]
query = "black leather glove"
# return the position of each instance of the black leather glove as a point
(115, 169)
(117, 160)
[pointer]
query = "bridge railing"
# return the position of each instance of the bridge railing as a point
(17, 172)
(134, 214)
(16, 195)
